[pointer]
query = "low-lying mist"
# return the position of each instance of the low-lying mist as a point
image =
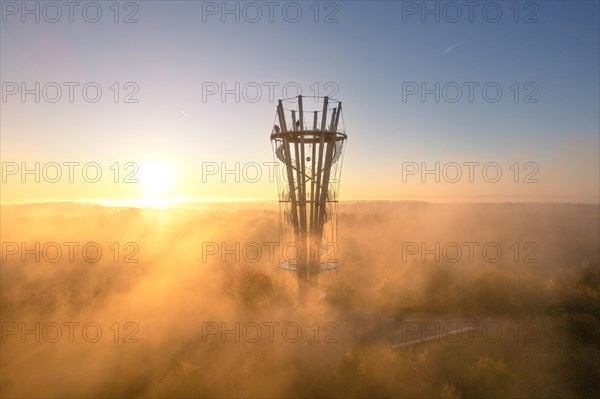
(189, 302)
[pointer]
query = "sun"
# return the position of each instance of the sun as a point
(156, 177)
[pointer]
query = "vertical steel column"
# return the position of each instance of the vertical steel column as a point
(289, 168)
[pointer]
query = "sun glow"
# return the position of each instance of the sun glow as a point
(156, 177)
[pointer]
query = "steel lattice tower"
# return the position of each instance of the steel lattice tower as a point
(308, 140)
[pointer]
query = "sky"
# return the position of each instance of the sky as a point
(499, 101)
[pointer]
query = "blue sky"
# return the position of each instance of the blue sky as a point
(374, 51)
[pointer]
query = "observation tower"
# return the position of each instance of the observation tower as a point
(308, 139)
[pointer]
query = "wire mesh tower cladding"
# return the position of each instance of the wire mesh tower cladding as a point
(308, 140)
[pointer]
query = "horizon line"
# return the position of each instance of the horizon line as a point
(457, 199)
